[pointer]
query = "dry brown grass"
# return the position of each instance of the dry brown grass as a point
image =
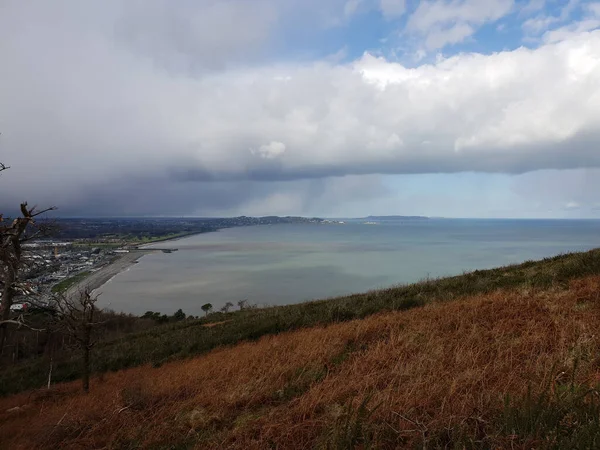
(426, 369)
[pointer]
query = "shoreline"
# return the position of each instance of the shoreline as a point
(142, 247)
(105, 273)
(120, 264)
(145, 245)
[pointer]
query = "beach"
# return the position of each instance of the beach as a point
(99, 277)
(102, 275)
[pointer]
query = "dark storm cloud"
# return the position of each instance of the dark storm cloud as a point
(148, 196)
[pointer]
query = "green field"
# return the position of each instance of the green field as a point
(148, 240)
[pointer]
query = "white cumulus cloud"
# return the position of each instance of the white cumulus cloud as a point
(269, 151)
(442, 22)
(393, 8)
(83, 107)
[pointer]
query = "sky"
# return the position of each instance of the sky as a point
(331, 108)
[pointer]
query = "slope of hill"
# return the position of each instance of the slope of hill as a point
(515, 367)
(184, 339)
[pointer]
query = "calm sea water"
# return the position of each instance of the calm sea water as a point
(283, 264)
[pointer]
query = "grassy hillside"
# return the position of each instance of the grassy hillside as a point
(185, 339)
(514, 368)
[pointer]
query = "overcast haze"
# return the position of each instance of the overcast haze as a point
(462, 108)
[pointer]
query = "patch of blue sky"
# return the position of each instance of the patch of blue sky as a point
(366, 32)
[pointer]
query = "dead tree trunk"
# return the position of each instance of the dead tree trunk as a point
(77, 318)
(10, 257)
(7, 301)
(11, 238)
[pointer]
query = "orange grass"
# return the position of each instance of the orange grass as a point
(426, 370)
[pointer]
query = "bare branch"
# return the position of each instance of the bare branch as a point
(20, 322)
(12, 261)
(14, 267)
(38, 213)
(76, 317)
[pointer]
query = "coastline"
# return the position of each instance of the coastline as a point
(145, 246)
(120, 264)
(98, 278)
(178, 237)
(105, 273)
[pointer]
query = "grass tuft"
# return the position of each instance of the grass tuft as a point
(351, 428)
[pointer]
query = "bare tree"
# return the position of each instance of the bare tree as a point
(12, 237)
(226, 307)
(77, 317)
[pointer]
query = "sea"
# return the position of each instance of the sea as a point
(284, 264)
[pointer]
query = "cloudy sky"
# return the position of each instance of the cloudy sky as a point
(456, 108)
